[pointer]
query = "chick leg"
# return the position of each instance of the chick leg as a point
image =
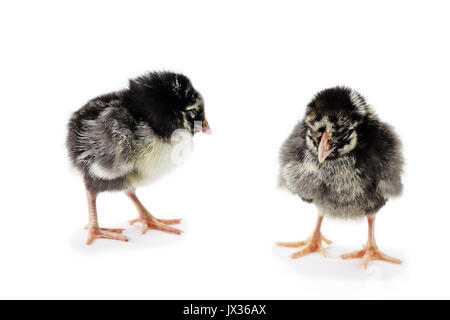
(312, 244)
(370, 251)
(94, 231)
(150, 222)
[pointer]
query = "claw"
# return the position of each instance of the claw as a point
(326, 240)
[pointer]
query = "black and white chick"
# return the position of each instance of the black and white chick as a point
(121, 140)
(347, 162)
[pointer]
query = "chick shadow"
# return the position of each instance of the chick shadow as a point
(153, 239)
(315, 266)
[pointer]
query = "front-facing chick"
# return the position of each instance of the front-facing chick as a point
(121, 140)
(347, 162)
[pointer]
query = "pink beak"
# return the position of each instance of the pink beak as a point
(205, 127)
(324, 149)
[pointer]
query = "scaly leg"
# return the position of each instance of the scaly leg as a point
(150, 222)
(94, 231)
(312, 244)
(370, 251)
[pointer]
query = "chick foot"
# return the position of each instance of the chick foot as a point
(368, 254)
(370, 251)
(105, 233)
(149, 222)
(312, 244)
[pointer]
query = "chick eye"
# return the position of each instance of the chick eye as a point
(347, 135)
(192, 114)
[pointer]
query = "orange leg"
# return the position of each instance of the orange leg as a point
(312, 244)
(94, 231)
(150, 222)
(370, 251)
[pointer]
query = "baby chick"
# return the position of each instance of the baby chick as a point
(121, 140)
(347, 162)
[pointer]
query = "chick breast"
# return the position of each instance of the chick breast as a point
(153, 157)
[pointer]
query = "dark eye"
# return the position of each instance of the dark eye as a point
(192, 114)
(347, 135)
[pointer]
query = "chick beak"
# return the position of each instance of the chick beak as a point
(324, 149)
(205, 127)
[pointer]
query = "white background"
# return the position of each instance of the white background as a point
(257, 64)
